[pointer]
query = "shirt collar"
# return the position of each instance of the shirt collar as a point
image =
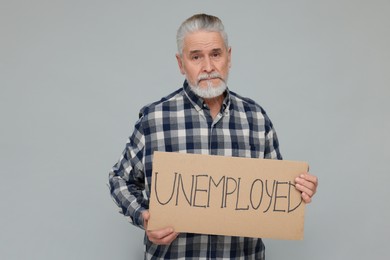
(199, 103)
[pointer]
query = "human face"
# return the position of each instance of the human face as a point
(205, 60)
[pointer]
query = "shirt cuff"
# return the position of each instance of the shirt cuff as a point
(138, 219)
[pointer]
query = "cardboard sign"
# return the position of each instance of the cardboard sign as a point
(226, 196)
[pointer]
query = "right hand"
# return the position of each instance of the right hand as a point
(163, 236)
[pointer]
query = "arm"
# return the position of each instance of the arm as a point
(305, 183)
(127, 179)
(127, 183)
(271, 150)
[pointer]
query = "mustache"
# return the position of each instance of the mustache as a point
(205, 76)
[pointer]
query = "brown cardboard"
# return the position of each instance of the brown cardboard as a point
(226, 196)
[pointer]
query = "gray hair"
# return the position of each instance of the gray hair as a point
(200, 22)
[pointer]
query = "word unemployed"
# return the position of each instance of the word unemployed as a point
(205, 191)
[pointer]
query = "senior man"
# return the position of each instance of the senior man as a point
(202, 117)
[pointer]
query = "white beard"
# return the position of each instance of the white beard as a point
(210, 91)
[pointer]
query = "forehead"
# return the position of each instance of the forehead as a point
(203, 41)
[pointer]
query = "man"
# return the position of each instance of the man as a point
(202, 117)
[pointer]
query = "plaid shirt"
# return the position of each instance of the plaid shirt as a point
(181, 122)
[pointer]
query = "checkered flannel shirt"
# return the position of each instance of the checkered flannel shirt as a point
(181, 122)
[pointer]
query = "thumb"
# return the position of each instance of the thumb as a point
(146, 216)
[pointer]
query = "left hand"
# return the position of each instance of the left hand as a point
(307, 185)
(163, 236)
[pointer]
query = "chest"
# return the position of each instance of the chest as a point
(232, 133)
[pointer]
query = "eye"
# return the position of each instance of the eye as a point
(215, 55)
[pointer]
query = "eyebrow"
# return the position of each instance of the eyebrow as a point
(199, 51)
(195, 52)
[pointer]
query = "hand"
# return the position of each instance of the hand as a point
(163, 236)
(307, 184)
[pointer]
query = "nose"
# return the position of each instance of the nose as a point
(208, 65)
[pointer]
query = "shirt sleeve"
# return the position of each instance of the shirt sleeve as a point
(127, 178)
(271, 141)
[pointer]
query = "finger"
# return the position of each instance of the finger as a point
(304, 181)
(306, 198)
(161, 233)
(311, 178)
(304, 189)
(169, 239)
(162, 237)
(145, 216)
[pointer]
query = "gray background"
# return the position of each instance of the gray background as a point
(73, 75)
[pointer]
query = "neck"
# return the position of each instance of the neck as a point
(214, 105)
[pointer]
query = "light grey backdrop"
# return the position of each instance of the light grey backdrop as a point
(73, 75)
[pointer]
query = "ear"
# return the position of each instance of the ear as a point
(180, 63)
(230, 57)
